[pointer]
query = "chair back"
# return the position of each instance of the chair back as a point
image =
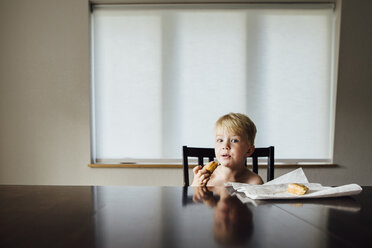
(201, 153)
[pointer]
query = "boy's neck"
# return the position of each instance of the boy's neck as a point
(233, 174)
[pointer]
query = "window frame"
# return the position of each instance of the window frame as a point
(222, 4)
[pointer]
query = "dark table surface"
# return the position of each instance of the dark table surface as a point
(122, 216)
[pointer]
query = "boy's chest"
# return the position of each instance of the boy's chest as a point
(219, 179)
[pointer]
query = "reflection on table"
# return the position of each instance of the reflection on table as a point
(121, 216)
(232, 220)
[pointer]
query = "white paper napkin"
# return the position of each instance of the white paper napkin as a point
(277, 188)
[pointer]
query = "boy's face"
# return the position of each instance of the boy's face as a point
(231, 149)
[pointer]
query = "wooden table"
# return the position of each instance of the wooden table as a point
(121, 216)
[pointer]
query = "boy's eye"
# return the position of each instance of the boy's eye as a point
(234, 141)
(219, 140)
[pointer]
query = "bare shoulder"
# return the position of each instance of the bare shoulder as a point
(253, 178)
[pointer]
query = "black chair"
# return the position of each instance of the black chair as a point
(202, 153)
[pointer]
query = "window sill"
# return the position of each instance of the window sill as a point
(134, 165)
(277, 166)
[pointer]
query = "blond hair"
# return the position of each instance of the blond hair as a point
(239, 124)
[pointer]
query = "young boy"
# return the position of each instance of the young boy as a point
(234, 142)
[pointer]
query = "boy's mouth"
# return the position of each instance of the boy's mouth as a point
(226, 155)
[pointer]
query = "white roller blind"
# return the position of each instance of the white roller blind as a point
(162, 75)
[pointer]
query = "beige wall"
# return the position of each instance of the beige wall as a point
(44, 99)
(353, 134)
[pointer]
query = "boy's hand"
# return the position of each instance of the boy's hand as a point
(201, 176)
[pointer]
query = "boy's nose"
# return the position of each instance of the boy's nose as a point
(226, 145)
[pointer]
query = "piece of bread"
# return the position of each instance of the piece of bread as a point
(211, 166)
(297, 189)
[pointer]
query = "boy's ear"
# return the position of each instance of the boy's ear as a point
(250, 150)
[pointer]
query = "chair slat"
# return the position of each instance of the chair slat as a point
(200, 153)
